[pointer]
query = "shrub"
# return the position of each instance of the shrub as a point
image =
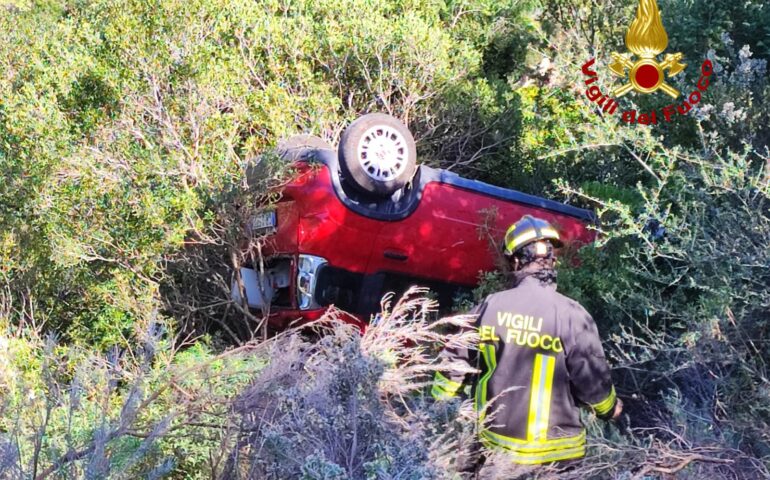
(69, 412)
(351, 405)
(126, 128)
(345, 406)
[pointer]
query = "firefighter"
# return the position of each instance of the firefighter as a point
(539, 357)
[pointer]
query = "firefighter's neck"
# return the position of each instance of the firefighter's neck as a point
(535, 272)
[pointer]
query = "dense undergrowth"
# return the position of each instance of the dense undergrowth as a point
(130, 142)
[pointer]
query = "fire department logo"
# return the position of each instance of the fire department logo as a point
(646, 38)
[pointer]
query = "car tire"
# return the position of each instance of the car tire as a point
(300, 147)
(377, 154)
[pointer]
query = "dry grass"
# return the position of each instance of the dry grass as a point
(348, 405)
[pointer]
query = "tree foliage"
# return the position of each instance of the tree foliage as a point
(133, 140)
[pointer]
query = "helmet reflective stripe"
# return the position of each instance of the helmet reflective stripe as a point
(524, 238)
(515, 242)
(527, 230)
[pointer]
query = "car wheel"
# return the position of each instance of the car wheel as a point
(377, 154)
(300, 147)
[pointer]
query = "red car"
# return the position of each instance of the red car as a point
(365, 220)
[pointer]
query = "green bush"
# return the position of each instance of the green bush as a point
(69, 412)
(125, 127)
(133, 140)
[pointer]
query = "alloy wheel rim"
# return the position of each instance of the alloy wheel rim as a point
(383, 153)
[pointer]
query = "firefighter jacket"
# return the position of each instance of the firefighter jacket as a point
(539, 357)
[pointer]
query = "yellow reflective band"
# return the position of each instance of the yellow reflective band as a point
(447, 384)
(549, 232)
(444, 388)
(534, 398)
(440, 394)
(517, 241)
(488, 352)
(545, 400)
(521, 445)
(540, 398)
(604, 407)
(532, 458)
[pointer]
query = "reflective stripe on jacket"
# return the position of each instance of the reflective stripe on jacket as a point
(539, 356)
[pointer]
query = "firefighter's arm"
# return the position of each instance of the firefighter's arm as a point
(449, 383)
(588, 369)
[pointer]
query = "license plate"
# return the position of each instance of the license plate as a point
(263, 223)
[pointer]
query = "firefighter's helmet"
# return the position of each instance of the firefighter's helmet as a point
(527, 230)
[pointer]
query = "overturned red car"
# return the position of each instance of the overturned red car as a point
(358, 222)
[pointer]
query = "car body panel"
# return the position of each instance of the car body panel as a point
(431, 232)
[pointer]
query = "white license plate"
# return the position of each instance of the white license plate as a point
(263, 223)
